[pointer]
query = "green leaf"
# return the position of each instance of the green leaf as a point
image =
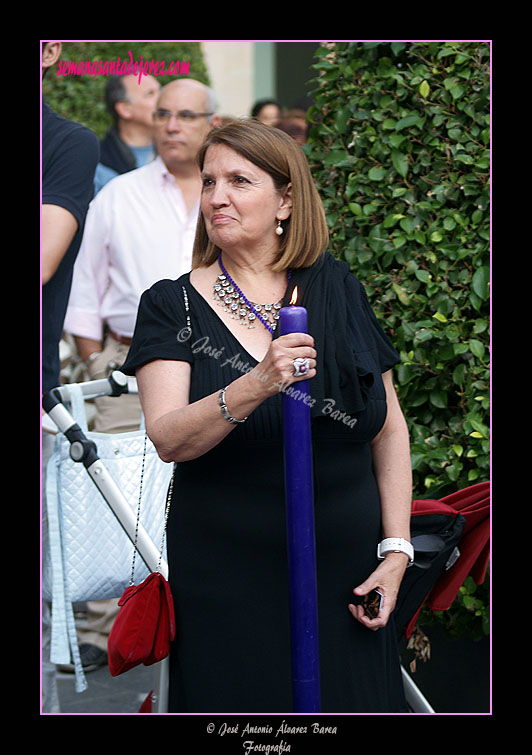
(391, 220)
(396, 139)
(399, 241)
(424, 334)
(342, 116)
(409, 120)
(377, 237)
(424, 89)
(453, 471)
(355, 208)
(460, 348)
(464, 157)
(417, 459)
(400, 162)
(438, 398)
(457, 91)
(477, 348)
(407, 224)
(479, 427)
(376, 174)
(335, 156)
(480, 282)
(459, 374)
(404, 373)
(397, 47)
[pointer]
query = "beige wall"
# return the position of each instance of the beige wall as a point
(230, 66)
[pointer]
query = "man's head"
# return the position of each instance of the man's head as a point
(132, 102)
(184, 116)
(50, 55)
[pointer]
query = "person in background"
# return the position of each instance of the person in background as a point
(128, 144)
(295, 126)
(140, 227)
(70, 154)
(267, 111)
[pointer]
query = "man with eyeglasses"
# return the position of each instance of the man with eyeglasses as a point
(140, 229)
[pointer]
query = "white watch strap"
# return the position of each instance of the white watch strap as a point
(395, 545)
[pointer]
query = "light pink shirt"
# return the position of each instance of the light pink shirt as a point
(137, 231)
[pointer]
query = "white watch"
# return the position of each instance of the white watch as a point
(396, 545)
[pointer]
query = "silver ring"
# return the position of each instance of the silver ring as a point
(301, 366)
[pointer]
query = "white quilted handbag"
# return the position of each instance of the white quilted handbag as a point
(88, 555)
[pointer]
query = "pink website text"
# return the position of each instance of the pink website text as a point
(123, 67)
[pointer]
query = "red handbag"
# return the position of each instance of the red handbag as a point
(145, 624)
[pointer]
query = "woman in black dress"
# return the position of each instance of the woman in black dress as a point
(210, 391)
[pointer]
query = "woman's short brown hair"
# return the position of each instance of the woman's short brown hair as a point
(306, 235)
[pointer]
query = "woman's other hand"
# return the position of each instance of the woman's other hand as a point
(386, 579)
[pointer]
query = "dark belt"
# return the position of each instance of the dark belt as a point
(121, 339)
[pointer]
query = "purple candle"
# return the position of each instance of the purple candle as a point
(300, 529)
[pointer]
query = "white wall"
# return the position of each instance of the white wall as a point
(230, 67)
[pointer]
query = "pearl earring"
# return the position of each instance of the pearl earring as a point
(279, 230)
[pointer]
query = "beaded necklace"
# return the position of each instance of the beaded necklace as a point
(233, 300)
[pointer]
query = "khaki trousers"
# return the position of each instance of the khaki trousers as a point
(113, 414)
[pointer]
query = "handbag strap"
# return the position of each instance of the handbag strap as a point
(167, 509)
(170, 487)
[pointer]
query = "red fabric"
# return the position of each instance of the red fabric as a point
(144, 626)
(146, 706)
(473, 504)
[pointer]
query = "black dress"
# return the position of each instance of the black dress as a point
(226, 530)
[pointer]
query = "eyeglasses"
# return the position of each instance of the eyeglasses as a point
(163, 116)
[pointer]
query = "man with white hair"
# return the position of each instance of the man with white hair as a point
(140, 229)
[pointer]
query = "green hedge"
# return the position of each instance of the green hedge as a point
(399, 147)
(81, 97)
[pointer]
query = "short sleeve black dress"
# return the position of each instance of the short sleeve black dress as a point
(226, 529)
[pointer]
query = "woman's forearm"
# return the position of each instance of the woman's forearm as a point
(182, 431)
(194, 429)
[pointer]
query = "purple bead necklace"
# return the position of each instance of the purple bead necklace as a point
(254, 312)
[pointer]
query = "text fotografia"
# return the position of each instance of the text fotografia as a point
(250, 746)
(123, 67)
(202, 345)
